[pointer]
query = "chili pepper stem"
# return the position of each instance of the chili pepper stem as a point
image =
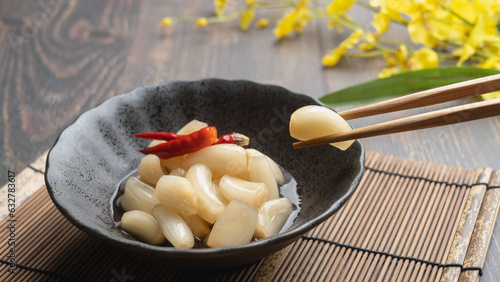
(241, 139)
(233, 138)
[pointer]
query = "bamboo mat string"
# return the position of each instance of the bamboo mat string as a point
(430, 180)
(462, 268)
(37, 270)
(36, 169)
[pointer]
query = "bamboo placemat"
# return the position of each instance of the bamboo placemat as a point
(407, 221)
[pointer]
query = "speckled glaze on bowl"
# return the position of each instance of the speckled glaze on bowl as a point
(93, 154)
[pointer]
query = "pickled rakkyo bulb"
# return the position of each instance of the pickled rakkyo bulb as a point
(220, 159)
(235, 226)
(252, 193)
(316, 121)
(177, 193)
(198, 226)
(174, 227)
(260, 171)
(150, 169)
(272, 217)
(280, 179)
(143, 226)
(138, 196)
(191, 127)
(209, 205)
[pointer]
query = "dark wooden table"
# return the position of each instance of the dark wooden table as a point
(59, 58)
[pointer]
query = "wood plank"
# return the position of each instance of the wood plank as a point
(59, 58)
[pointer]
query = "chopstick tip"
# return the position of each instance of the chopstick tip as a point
(296, 145)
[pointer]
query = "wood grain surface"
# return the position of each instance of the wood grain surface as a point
(59, 58)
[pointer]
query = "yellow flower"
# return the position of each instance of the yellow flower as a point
(421, 24)
(338, 8)
(334, 24)
(481, 36)
(396, 62)
(371, 39)
(386, 72)
(390, 10)
(166, 22)
(333, 57)
(424, 58)
(262, 23)
(491, 96)
(247, 17)
(286, 25)
(397, 59)
(491, 63)
(365, 46)
(470, 10)
(219, 6)
(457, 52)
(381, 22)
(393, 8)
(484, 32)
(201, 22)
(429, 22)
(293, 21)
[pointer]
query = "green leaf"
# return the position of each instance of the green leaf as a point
(403, 84)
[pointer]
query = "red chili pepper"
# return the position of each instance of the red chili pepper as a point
(166, 136)
(183, 144)
(233, 138)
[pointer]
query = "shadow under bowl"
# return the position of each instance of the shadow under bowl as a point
(98, 150)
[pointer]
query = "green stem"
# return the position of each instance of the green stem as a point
(220, 19)
(391, 41)
(382, 47)
(320, 13)
(224, 18)
(368, 54)
(321, 2)
(275, 5)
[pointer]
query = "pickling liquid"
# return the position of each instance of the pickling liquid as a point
(289, 189)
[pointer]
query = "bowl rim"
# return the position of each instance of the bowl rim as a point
(286, 237)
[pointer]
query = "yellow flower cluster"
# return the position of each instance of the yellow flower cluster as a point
(219, 6)
(247, 15)
(294, 20)
(469, 29)
(424, 58)
(456, 31)
(332, 58)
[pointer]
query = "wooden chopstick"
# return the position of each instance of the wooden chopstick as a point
(442, 117)
(429, 97)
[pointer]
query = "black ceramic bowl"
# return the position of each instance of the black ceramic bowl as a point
(93, 154)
